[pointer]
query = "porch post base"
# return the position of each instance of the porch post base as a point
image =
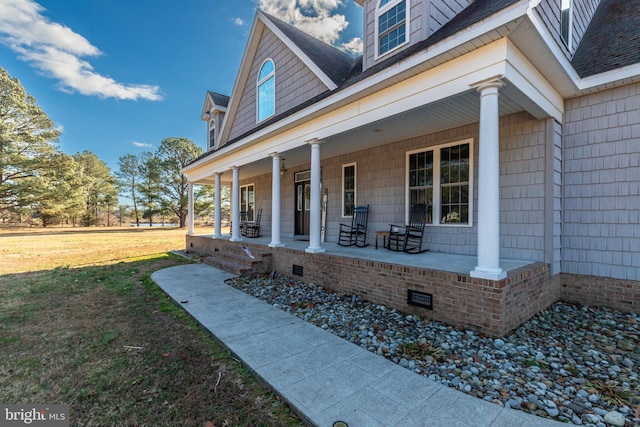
(276, 245)
(488, 273)
(318, 250)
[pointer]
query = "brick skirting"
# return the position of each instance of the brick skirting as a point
(492, 307)
(495, 308)
(623, 295)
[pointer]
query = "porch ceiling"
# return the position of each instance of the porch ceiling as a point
(459, 110)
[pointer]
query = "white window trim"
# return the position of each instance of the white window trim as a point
(568, 43)
(245, 208)
(436, 207)
(212, 124)
(261, 81)
(381, 11)
(355, 187)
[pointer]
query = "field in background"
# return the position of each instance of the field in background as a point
(82, 324)
(31, 249)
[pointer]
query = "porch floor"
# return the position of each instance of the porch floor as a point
(453, 263)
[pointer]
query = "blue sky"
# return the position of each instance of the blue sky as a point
(119, 76)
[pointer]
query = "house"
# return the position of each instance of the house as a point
(516, 121)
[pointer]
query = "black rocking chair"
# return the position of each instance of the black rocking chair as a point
(243, 221)
(408, 238)
(356, 233)
(252, 228)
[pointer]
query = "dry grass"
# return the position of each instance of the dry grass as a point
(82, 324)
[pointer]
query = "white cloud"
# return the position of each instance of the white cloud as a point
(142, 144)
(239, 22)
(311, 16)
(352, 47)
(57, 51)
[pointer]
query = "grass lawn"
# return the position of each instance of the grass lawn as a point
(82, 324)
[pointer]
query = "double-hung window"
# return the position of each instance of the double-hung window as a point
(248, 201)
(212, 132)
(348, 189)
(442, 178)
(266, 90)
(391, 24)
(566, 7)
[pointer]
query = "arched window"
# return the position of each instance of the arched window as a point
(391, 24)
(266, 104)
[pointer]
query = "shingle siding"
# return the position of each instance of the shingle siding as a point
(381, 180)
(426, 17)
(416, 31)
(295, 83)
(441, 12)
(602, 184)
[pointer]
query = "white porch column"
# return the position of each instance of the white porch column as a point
(489, 184)
(217, 214)
(235, 205)
(275, 202)
(190, 210)
(314, 214)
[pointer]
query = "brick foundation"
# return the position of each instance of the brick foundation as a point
(495, 308)
(623, 295)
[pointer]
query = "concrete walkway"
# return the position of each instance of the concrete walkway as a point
(323, 377)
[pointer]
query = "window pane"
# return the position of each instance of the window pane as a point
(212, 133)
(267, 68)
(266, 99)
(392, 28)
(349, 186)
(565, 15)
(421, 180)
(454, 178)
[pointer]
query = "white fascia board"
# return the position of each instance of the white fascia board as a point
(208, 104)
(206, 108)
(241, 77)
(508, 15)
(630, 72)
(451, 78)
(504, 17)
(297, 51)
(532, 83)
(587, 83)
(552, 45)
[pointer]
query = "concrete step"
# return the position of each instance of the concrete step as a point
(237, 261)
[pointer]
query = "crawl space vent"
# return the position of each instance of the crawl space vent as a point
(297, 270)
(420, 299)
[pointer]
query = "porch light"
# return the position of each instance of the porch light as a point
(283, 169)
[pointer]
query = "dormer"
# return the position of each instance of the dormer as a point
(391, 26)
(213, 111)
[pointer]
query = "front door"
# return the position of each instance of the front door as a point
(302, 205)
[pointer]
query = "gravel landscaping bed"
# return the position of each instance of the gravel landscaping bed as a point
(572, 363)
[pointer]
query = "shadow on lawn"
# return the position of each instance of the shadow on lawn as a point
(108, 342)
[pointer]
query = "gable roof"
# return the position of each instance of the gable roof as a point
(345, 71)
(333, 62)
(216, 101)
(219, 99)
(612, 39)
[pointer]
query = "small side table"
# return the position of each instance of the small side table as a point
(384, 235)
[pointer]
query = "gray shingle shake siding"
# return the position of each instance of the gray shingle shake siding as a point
(601, 224)
(295, 83)
(583, 11)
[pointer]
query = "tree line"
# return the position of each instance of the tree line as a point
(42, 185)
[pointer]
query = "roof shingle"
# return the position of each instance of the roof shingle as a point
(612, 39)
